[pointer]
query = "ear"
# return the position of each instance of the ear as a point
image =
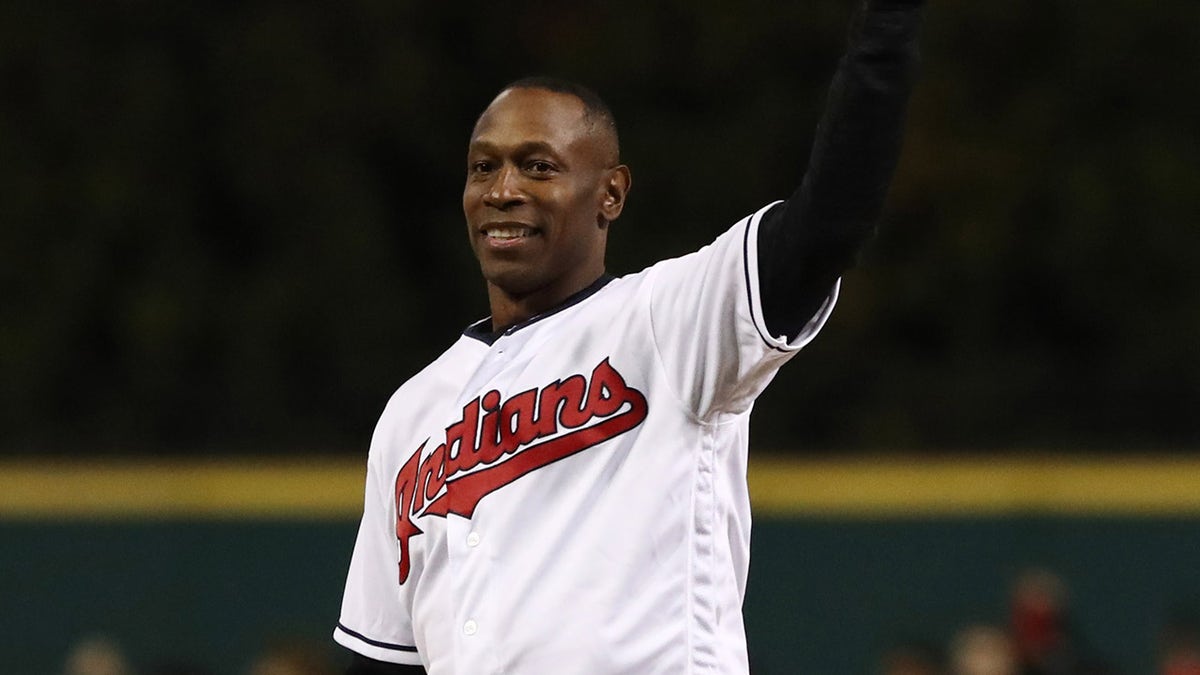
(616, 188)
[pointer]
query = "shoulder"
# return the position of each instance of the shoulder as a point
(734, 243)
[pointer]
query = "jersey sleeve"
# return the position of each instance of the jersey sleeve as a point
(374, 621)
(708, 327)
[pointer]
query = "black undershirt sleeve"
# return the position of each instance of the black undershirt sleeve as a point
(808, 242)
(362, 665)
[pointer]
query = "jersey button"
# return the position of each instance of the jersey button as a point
(470, 627)
(473, 539)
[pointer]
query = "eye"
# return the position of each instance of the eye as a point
(481, 166)
(540, 166)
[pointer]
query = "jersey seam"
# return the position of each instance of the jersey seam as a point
(690, 598)
(692, 415)
(652, 279)
(703, 510)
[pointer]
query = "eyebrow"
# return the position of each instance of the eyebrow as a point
(524, 148)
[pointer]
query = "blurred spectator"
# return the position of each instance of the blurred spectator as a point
(982, 649)
(1180, 645)
(1039, 607)
(96, 656)
(1044, 643)
(178, 668)
(911, 658)
(1181, 660)
(293, 658)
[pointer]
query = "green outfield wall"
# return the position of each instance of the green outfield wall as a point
(207, 563)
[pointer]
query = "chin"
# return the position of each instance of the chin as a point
(515, 281)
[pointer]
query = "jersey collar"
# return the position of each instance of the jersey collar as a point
(481, 330)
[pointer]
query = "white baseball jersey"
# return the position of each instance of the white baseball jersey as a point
(572, 498)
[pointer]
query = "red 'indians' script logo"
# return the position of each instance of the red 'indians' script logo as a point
(438, 485)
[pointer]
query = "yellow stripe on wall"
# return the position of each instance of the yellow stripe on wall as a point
(856, 488)
(243, 488)
(890, 487)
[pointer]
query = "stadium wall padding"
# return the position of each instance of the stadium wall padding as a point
(208, 563)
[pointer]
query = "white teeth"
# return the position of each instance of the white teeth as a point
(508, 232)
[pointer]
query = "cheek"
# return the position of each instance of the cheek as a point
(470, 197)
(577, 209)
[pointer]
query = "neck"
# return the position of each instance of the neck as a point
(510, 309)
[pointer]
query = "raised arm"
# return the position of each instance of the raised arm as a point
(807, 243)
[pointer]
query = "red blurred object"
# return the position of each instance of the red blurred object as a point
(1182, 662)
(1039, 617)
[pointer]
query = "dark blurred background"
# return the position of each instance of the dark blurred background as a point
(236, 226)
(234, 229)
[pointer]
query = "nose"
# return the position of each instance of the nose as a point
(505, 191)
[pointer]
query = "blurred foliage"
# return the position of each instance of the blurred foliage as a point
(236, 226)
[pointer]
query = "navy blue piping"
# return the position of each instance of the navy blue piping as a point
(749, 289)
(376, 643)
(477, 332)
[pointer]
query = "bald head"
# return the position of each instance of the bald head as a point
(598, 120)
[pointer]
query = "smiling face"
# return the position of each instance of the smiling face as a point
(542, 186)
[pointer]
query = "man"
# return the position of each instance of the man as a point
(563, 490)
